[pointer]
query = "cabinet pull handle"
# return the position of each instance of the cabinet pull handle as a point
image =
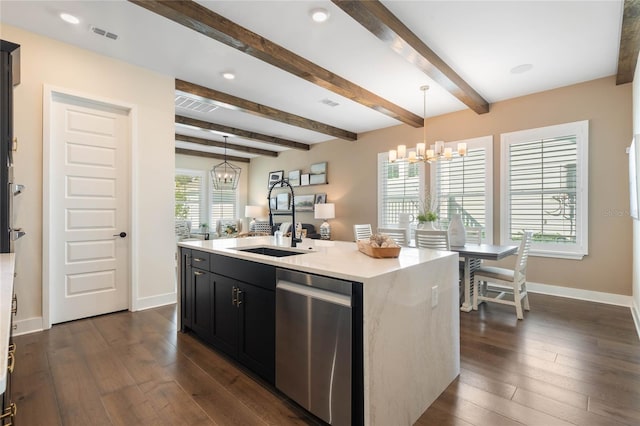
(9, 413)
(198, 273)
(11, 362)
(198, 259)
(238, 297)
(234, 293)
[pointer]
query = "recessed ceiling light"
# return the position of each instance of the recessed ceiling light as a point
(228, 75)
(69, 18)
(521, 69)
(319, 14)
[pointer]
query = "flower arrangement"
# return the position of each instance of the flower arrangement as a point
(427, 210)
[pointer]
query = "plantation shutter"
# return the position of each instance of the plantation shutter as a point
(399, 189)
(188, 190)
(223, 204)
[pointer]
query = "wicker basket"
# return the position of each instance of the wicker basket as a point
(378, 252)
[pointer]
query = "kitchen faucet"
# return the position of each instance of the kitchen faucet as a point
(283, 182)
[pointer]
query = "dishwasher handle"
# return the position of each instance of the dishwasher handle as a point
(314, 293)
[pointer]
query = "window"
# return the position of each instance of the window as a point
(464, 185)
(198, 202)
(399, 189)
(189, 193)
(545, 188)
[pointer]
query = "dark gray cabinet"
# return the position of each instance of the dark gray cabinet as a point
(230, 304)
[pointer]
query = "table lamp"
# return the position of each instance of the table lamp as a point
(252, 212)
(325, 211)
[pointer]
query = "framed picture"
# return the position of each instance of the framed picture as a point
(304, 203)
(275, 177)
(283, 201)
(294, 178)
(318, 173)
(304, 179)
(320, 198)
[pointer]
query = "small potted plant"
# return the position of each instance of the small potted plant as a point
(427, 215)
(204, 229)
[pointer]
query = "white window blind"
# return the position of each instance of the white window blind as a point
(399, 189)
(464, 185)
(546, 188)
(188, 197)
(223, 204)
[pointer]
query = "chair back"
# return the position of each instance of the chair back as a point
(433, 239)
(362, 231)
(520, 271)
(474, 234)
(399, 235)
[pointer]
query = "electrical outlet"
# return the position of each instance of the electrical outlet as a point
(434, 296)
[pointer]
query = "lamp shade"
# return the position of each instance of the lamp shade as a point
(253, 211)
(325, 211)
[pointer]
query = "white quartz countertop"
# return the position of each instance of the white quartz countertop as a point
(339, 259)
(7, 265)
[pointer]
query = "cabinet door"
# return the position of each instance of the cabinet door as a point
(201, 320)
(225, 314)
(256, 344)
(186, 289)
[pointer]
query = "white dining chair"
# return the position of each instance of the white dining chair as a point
(493, 284)
(362, 231)
(399, 235)
(433, 239)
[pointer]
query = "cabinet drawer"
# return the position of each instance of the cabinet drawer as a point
(200, 260)
(254, 273)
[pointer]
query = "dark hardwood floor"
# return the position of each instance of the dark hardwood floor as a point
(567, 362)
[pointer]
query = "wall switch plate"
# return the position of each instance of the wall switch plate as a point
(434, 296)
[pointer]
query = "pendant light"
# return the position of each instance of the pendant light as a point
(225, 175)
(439, 152)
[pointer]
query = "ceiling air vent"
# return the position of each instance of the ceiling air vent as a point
(329, 102)
(104, 33)
(194, 105)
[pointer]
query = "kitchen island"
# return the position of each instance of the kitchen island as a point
(408, 317)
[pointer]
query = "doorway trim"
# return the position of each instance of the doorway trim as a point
(49, 93)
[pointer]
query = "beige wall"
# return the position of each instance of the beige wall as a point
(352, 173)
(44, 61)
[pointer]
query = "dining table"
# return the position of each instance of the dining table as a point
(473, 254)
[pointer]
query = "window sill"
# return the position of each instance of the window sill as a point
(557, 254)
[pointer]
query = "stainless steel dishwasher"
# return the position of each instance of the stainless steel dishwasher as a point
(313, 343)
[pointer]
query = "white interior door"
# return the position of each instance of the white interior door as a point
(89, 208)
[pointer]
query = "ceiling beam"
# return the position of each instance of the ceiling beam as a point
(376, 18)
(247, 134)
(629, 42)
(217, 27)
(228, 101)
(209, 142)
(229, 158)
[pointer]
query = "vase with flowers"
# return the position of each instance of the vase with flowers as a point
(427, 215)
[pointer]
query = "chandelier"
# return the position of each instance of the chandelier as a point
(225, 175)
(439, 151)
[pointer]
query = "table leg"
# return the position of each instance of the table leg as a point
(466, 305)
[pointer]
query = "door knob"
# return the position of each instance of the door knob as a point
(121, 235)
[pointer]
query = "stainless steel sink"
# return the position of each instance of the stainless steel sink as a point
(272, 251)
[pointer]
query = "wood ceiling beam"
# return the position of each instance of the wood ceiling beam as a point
(376, 18)
(247, 134)
(217, 27)
(209, 142)
(235, 103)
(629, 42)
(229, 158)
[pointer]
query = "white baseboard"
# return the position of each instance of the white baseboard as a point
(155, 301)
(26, 326)
(577, 293)
(635, 312)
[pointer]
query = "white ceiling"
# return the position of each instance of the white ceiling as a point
(567, 42)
